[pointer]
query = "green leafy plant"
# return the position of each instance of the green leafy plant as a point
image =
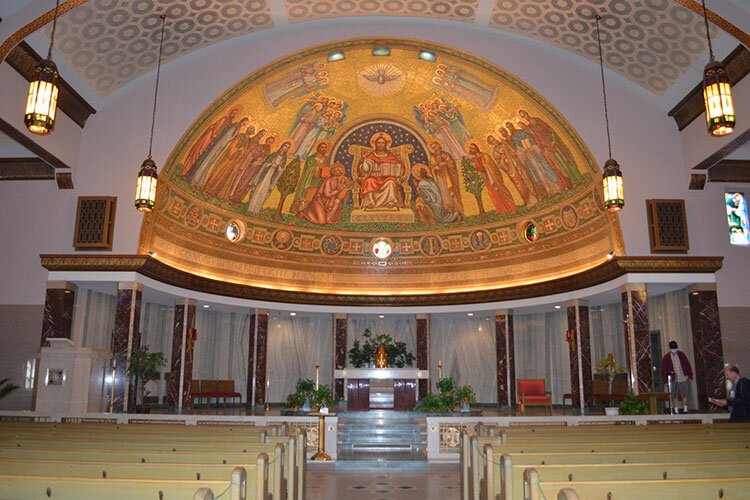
(295, 400)
(449, 396)
(322, 397)
(609, 368)
(632, 406)
(305, 386)
(364, 352)
(145, 366)
(6, 387)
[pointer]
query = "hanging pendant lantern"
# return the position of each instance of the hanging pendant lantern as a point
(614, 194)
(717, 92)
(41, 103)
(145, 189)
(612, 185)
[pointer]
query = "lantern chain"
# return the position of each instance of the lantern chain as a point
(156, 90)
(604, 87)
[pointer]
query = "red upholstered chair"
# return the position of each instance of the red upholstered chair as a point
(533, 392)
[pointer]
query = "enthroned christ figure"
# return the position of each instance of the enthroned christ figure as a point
(381, 169)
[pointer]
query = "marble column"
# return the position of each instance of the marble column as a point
(423, 351)
(183, 342)
(707, 349)
(505, 364)
(126, 335)
(58, 311)
(340, 326)
(580, 354)
(260, 320)
(637, 337)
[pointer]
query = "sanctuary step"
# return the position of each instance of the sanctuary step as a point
(381, 439)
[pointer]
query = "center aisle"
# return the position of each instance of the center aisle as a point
(440, 481)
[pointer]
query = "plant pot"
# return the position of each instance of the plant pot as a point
(306, 406)
(465, 407)
(612, 410)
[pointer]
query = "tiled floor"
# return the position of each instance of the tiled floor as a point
(441, 482)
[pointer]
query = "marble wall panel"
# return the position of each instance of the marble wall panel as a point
(181, 374)
(423, 352)
(261, 350)
(580, 355)
(251, 357)
(707, 346)
(57, 321)
(126, 335)
(505, 364)
(638, 338)
(340, 353)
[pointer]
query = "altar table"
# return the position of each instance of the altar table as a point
(381, 388)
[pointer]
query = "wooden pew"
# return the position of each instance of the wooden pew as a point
(682, 489)
(506, 481)
(73, 488)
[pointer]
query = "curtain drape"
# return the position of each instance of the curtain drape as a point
(607, 334)
(295, 344)
(466, 347)
(93, 319)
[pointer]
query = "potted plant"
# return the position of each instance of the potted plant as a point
(632, 406)
(144, 366)
(305, 387)
(466, 397)
(295, 401)
(362, 354)
(609, 368)
(322, 397)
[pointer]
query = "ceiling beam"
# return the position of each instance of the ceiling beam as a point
(32, 146)
(730, 171)
(24, 169)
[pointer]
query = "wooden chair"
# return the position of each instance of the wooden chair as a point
(533, 392)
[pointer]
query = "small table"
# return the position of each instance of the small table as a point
(321, 454)
(653, 398)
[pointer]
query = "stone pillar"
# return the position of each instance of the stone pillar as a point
(260, 321)
(183, 342)
(505, 364)
(340, 330)
(637, 337)
(127, 334)
(423, 351)
(707, 349)
(580, 354)
(58, 311)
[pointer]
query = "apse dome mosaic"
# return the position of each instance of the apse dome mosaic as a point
(304, 175)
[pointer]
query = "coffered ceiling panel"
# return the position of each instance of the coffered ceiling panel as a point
(111, 42)
(454, 10)
(651, 42)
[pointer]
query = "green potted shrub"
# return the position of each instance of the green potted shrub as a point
(322, 398)
(632, 406)
(362, 354)
(305, 387)
(466, 397)
(294, 401)
(145, 367)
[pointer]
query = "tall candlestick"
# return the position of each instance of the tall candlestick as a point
(317, 375)
(440, 369)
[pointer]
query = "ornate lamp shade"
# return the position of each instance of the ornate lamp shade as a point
(614, 194)
(145, 190)
(717, 96)
(41, 105)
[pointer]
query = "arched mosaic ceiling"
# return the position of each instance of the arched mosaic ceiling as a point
(651, 42)
(316, 168)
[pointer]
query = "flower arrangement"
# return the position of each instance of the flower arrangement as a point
(305, 392)
(364, 352)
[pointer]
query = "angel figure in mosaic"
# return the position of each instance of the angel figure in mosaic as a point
(303, 80)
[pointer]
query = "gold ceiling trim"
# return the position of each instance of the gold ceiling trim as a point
(36, 25)
(717, 20)
(159, 271)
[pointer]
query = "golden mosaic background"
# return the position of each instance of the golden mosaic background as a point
(301, 223)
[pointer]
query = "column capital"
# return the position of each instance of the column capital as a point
(633, 287)
(503, 312)
(423, 316)
(61, 285)
(577, 302)
(696, 288)
(185, 301)
(340, 316)
(259, 311)
(130, 285)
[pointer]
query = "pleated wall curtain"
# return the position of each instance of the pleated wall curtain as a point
(93, 319)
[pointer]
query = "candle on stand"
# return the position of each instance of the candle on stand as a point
(317, 375)
(440, 369)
